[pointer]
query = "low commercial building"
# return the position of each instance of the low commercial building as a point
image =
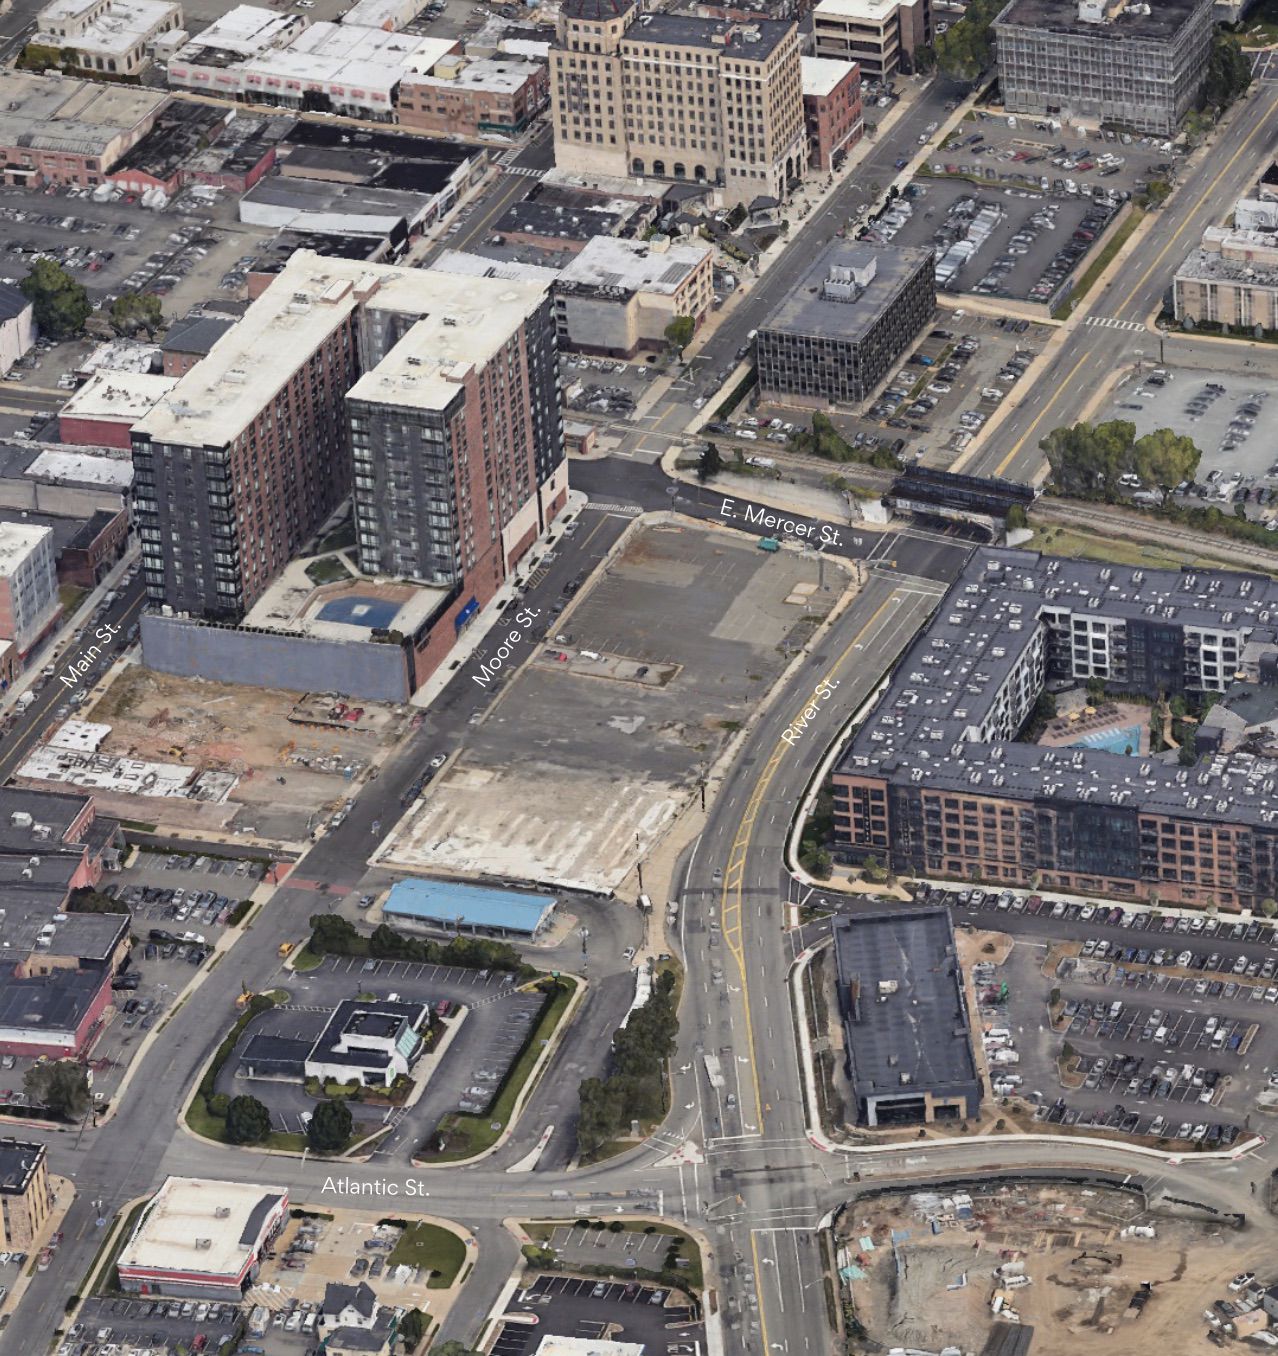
(906, 1038)
(495, 96)
(202, 1239)
(55, 1015)
(160, 159)
(832, 109)
(29, 605)
(1231, 279)
(1137, 65)
(96, 545)
(190, 339)
(881, 36)
(26, 1198)
(839, 332)
(454, 906)
(617, 297)
(211, 62)
(17, 326)
(102, 411)
(115, 37)
(369, 1043)
(55, 130)
(562, 219)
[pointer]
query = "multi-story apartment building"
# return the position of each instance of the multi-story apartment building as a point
(668, 96)
(1137, 65)
(832, 109)
(881, 36)
(1231, 279)
(26, 1198)
(112, 36)
(838, 333)
(28, 585)
(452, 420)
(935, 783)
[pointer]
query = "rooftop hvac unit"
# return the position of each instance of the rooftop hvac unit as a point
(203, 1244)
(222, 1212)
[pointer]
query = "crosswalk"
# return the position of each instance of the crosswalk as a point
(527, 170)
(625, 510)
(1109, 322)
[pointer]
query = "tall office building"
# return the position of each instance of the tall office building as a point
(452, 429)
(881, 36)
(1139, 65)
(669, 96)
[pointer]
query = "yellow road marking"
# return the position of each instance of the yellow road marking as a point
(763, 1321)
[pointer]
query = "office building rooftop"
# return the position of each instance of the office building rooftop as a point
(634, 265)
(1103, 20)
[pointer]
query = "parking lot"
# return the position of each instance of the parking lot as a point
(1233, 421)
(158, 1326)
(568, 1306)
(492, 1033)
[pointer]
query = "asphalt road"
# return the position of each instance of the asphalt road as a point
(1094, 351)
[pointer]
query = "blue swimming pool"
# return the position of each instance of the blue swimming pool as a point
(356, 611)
(1126, 740)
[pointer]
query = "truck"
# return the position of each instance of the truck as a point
(1004, 1057)
(25, 700)
(714, 1070)
(769, 544)
(259, 1321)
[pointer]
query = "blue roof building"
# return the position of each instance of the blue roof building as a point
(473, 908)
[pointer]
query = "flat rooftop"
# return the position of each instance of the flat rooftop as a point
(465, 321)
(82, 468)
(49, 1006)
(19, 1160)
(197, 1226)
(238, 34)
(116, 31)
(480, 266)
(874, 11)
(382, 1021)
(753, 41)
(822, 75)
(60, 114)
(926, 725)
(607, 261)
(496, 75)
(357, 58)
(17, 541)
(869, 278)
(1159, 21)
(349, 207)
(905, 1017)
(121, 397)
(480, 906)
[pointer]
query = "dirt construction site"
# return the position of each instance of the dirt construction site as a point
(295, 757)
(1090, 1269)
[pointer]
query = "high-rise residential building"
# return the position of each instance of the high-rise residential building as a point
(1118, 61)
(881, 36)
(936, 782)
(438, 391)
(836, 336)
(28, 585)
(669, 96)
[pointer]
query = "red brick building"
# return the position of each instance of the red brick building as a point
(498, 94)
(831, 109)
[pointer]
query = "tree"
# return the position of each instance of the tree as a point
(1269, 906)
(331, 933)
(924, 59)
(452, 1348)
(247, 1121)
(679, 332)
(1157, 192)
(967, 47)
(88, 900)
(61, 304)
(709, 464)
(132, 311)
(1228, 72)
(330, 1129)
(1165, 458)
(61, 1087)
(1016, 518)
(412, 1328)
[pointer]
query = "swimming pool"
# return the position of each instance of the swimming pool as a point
(1124, 740)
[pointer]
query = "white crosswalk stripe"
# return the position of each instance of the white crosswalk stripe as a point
(630, 510)
(1109, 322)
(523, 169)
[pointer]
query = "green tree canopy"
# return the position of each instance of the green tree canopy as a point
(679, 332)
(332, 932)
(1228, 71)
(61, 304)
(709, 464)
(1087, 460)
(88, 900)
(330, 1129)
(1165, 458)
(247, 1121)
(60, 1086)
(967, 47)
(133, 311)
(412, 1328)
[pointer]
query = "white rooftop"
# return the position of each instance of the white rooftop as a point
(123, 396)
(82, 736)
(17, 542)
(187, 1213)
(125, 776)
(245, 31)
(876, 10)
(499, 75)
(526, 47)
(480, 266)
(367, 59)
(821, 75)
(216, 400)
(586, 1346)
(121, 355)
(117, 30)
(110, 472)
(607, 261)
